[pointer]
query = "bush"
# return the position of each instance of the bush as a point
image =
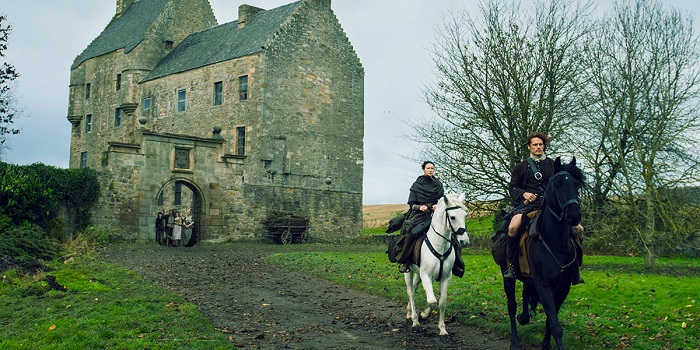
(25, 197)
(87, 240)
(35, 192)
(27, 243)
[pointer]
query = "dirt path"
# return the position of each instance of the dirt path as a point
(259, 306)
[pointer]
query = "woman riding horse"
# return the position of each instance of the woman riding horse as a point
(424, 194)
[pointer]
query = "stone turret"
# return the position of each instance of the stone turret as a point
(246, 13)
(122, 5)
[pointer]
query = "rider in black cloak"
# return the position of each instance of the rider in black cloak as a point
(424, 194)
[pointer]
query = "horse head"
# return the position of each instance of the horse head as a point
(451, 212)
(562, 196)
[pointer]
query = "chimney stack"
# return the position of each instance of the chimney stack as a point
(246, 13)
(122, 5)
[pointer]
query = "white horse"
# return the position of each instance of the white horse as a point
(437, 257)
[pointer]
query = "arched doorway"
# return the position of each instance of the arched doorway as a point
(182, 195)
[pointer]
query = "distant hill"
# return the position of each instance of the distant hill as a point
(378, 215)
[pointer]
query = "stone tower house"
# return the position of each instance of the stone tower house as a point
(236, 121)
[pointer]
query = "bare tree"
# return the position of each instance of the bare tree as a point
(498, 79)
(7, 77)
(643, 121)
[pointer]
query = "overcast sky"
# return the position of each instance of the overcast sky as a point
(391, 37)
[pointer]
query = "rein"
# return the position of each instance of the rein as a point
(442, 257)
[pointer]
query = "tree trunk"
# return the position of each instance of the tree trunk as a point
(649, 233)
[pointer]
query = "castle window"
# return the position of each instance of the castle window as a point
(88, 123)
(146, 103)
(118, 117)
(87, 90)
(243, 88)
(83, 159)
(119, 82)
(218, 93)
(181, 100)
(168, 44)
(240, 141)
(160, 198)
(178, 193)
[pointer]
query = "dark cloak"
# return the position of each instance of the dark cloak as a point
(425, 190)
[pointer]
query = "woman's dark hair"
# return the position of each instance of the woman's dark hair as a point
(426, 163)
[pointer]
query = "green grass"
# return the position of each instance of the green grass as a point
(104, 307)
(621, 306)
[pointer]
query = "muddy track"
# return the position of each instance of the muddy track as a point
(259, 306)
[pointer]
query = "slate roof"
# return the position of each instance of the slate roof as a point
(124, 32)
(222, 43)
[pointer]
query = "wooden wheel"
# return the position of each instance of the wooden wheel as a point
(304, 238)
(287, 237)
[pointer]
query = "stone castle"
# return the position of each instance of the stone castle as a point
(237, 121)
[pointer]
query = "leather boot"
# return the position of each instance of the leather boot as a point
(405, 267)
(511, 250)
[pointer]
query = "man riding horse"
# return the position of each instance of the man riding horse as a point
(526, 188)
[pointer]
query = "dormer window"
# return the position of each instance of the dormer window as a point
(168, 44)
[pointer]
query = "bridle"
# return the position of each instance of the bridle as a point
(454, 232)
(551, 193)
(562, 206)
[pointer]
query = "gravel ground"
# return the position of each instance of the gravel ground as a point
(262, 306)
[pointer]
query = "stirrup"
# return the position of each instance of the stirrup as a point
(510, 273)
(404, 267)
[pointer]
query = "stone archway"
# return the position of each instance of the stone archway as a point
(182, 194)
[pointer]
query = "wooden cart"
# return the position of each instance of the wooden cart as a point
(286, 228)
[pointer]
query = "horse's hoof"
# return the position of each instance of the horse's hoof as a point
(522, 320)
(444, 332)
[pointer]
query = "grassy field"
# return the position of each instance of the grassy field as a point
(622, 306)
(105, 307)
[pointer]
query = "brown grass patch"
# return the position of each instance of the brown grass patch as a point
(378, 215)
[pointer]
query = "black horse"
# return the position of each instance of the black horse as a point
(553, 256)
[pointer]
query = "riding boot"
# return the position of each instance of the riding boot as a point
(511, 250)
(405, 267)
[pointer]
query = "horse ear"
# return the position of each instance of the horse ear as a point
(573, 161)
(462, 198)
(557, 162)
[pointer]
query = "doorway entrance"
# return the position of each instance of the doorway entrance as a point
(182, 195)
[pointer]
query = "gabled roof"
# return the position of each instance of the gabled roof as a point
(124, 32)
(223, 42)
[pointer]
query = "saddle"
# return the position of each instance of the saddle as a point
(498, 245)
(415, 257)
